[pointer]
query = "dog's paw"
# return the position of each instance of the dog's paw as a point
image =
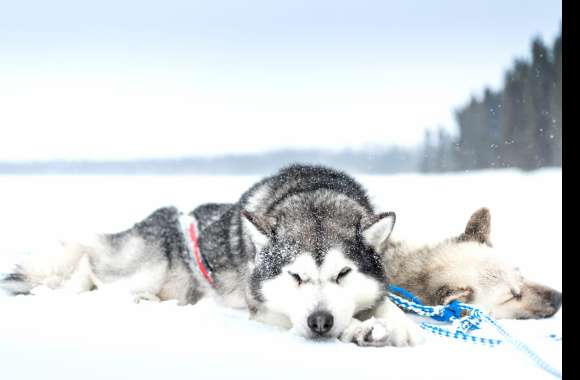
(372, 332)
(381, 332)
(140, 297)
(42, 290)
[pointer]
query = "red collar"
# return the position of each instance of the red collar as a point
(194, 250)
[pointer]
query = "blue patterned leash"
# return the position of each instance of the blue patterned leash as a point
(464, 319)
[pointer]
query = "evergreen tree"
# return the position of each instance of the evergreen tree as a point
(540, 87)
(445, 155)
(515, 143)
(491, 133)
(428, 150)
(473, 140)
(555, 133)
(519, 126)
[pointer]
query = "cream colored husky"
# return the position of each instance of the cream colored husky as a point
(468, 269)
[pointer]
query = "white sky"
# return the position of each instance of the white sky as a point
(136, 80)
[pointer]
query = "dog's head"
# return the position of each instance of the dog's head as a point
(469, 269)
(316, 267)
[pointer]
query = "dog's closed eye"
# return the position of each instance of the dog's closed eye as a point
(342, 274)
(516, 296)
(296, 277)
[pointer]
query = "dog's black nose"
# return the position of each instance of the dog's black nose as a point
(556, 300)
(320, 322)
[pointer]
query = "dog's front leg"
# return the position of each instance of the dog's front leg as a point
(271, 318)
(388, 327)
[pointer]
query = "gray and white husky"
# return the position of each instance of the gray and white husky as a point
(300, 250)
(467, 268)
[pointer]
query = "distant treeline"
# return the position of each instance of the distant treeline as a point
(370, 161)
(519, 126)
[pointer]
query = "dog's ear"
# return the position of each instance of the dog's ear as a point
(376, 229)
(478, 227)
(445, 295)
(260, 228)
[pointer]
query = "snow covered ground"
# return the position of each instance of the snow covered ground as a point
(92, 336)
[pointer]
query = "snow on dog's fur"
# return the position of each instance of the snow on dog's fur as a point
(468, 268)
(300, 250)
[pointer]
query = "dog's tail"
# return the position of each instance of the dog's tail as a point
(50, 268)
(15, 283)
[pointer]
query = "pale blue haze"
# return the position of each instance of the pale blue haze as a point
(126, 79)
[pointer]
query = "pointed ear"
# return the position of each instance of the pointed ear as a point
(376, 229)
(478, 227)
(445, 295)
(260, 228)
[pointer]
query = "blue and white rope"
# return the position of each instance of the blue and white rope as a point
(462, 325)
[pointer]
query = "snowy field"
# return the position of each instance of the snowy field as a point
(91, 336)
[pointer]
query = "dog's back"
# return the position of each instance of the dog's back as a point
(223, 239)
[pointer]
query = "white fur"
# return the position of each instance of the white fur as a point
(257, 200)
(69, 270)
(149, 277)
(468, 268)
(379, 232)
(233, 294)
(54, 265)
(319, 291)
(467, 264)
(389, 327)
(275, 319)
(256, 236)
(173, 287)
(81, 279)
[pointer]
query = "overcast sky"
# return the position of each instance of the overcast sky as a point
(128, 79)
